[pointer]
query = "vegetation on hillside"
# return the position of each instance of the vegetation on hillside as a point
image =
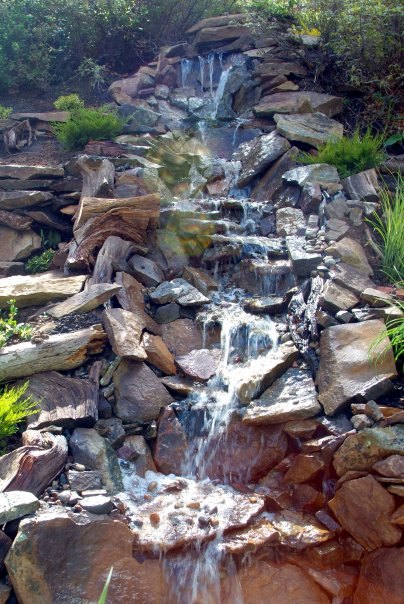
(14, 408)
(10, 328)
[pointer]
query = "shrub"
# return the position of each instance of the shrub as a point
(85, 125)
(390, 228)
(9, 328)
(5, 112)
(40, 263)
(350, 155)
(13, 409)
(69, 102)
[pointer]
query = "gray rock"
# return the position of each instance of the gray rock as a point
(338, 208)
(82, 481)
(314, 173)
(139, 119)
(312, 128)
(13, 200)
(111, 429)
(361, 421)
(344, 316)
(293, 396)
(336, 229)
(97, 505)
(146, 271)
(258, 154)
(290, 221)
(303, 262)
(179, 291)
(351, 252)
(362, 186)
(167, 313)
(17, 245)
(334, 298)
(16, 504)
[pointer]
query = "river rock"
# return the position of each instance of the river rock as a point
(146, 271)
(48, 552)
(322, 174)
(381, 577)
(84, 481)
(17, 245)
(392, 466)
(124, 330)
(257, 155)
(312, 128)
(360, 451)
(16, 504)
(348, 369)
(21, 172)
(290, 221)
(303, 262)
(13, 200)
(85, 301)
(95, 453)
(98, 504)
(34, 290)
(200, 365)
(179, 291)
(158, 353)
(351, 252)
(139, 394)
(291, 397)
(334, 298)
(170, 446)
(363, 507)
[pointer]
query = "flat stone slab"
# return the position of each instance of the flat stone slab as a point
(32, 290)
(299, 102)
(13, 200)
(46, 116)
(314, 173)
(30, 172)
(312, 128)
(257, 155)
(292, 396)
(179, 291)
(16, 504)
(303, 262)
(200, 365)
(85, 301)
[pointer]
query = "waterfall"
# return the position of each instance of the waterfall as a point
(220, 91)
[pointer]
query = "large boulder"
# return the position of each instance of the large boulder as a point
(352, 253)
(258, 154)
(355, 359)
(299, 102)
(381, 577)
(312, 128)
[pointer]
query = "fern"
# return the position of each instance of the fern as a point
(13, 409)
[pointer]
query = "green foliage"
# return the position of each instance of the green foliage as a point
(5, 112)
(40, 263)
(272, 8)
(390, 228)
(95, 73)
(69, 102)
(103, 597)
(349, 155)
(50, 238)
(85, 125)
(14, 407)
(9, 328)
(395, 332)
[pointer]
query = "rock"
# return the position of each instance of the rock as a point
(99, 504)
(5, 591)
(111, 429)
(350, 278)
(85, 301)
(179, 291)
(217, 22)
(13, 200)
(200, 365)
(140, 119)
(392, 466)
(270, 305)
(271, 182)
(10, 269)
(136, 450)
(158, 354)
(139, 394)
(131, 297)
(352, 253)
(363, 507)
(338, 208)
(299, 102)
(16, 504)
(322, 174)
(146, 271)
(376, 298)
(30, 172)
(95, 453)
(304, 468)
(41, 566)
(361, 451)
(311, 199)
(303, 262)
(398, 516)
(290, 221)
(17, 245)
(381, 577)
(214, 37)
(360, 422)
(335, 298)
(167, 313)
(34, 290)
(270, 69)
(201, 280)
(291, 397)
(170, 446)
(336, 229)
(258, 154)
(312, 128)
(362, 186)
(84, 481)
(348, 368)
(124, 330)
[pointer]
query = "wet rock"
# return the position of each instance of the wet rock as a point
(314, 173)
(271, 182)
(263, 278)
(347, 369)
(41, 566)
(95, 453)
(298, 530)
(99, 504)
(200, 365)
(362, 186)
(335, 298)
(363, 507)
(158, 353)
(136, 450)
(351, 252)
(178, 291)
(312, 128)
(360, 451)
(124, 330)
(290, 221)
(17, 245)
(201, 280)
(139, 394)
(299, 428)
(146, 271)
(303, 262)
(381, 578)
(291, 397)
(257, 155)
(182, 336)
(16, 504)
(304, 468)
(170, 446)
(84, 481)
(111, 429)
(392, 466)
(270, 305)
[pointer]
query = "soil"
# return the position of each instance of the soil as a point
(45, 150)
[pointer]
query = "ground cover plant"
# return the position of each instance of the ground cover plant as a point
(10, 328)
(40, 263)
(14, 407)
(85, 125)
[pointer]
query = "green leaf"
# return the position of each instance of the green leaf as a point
(103, 597)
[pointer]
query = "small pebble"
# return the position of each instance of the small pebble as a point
(152, 486)
(203, 521)
(154, 518)
(194, 505)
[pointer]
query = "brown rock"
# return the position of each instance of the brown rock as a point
(299, 102)
(21, 172)
(271, 182)
(301, 428)
(307, 499)
(351, 252)
(138, 392)
(146, 271)
(381, 577)
(335, 298)
(12, 200)
(200, 365)
(91, 298)
(136, 450)
(130, 297)
(124, 330)
(170, 446)
(398, 516)
(182, 336)
(17, 245)
(363, 507)
(393, 466)
(30, 290)
(304, 468)
(362, 186)
(5, 591)
(158, 353)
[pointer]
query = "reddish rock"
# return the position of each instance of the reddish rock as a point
(393, 466)
(158, 354)
(398, 516)
(363, 507)
(307, 499)
(130, 297)
(136, 450)
(200, 365)
(304, 468)
(381, 578)
(182, 336)
(170, 445)
(301, 428)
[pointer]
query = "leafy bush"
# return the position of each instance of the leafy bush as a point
(390, 228)
(69, 102)
(40, 263)
(85, 125)
(272, 8)
(5, 112)
(349, 155)
(13, 409)
(9, 328)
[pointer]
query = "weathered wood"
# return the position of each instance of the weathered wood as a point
(33, 466)
(98, 176)
(57, 353)
(124, 330)
(17, 137)
(63, 401)
(90, 206)
(113, 256)
(15, 221)
(85, 301)
(31, 290)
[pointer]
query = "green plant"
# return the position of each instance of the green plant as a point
(349, 155)
(95, 73)
(40, 263)
(9, 328)
(14, 407)
(69, 102)
(85, 125)
(5, 112)
(50, 237)
(103, 597)
(394, 330)
(389, 225)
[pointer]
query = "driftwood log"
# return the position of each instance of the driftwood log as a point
(146, 204)
(18, 136)
(33, 466)
(98, 176)
(57, 353)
